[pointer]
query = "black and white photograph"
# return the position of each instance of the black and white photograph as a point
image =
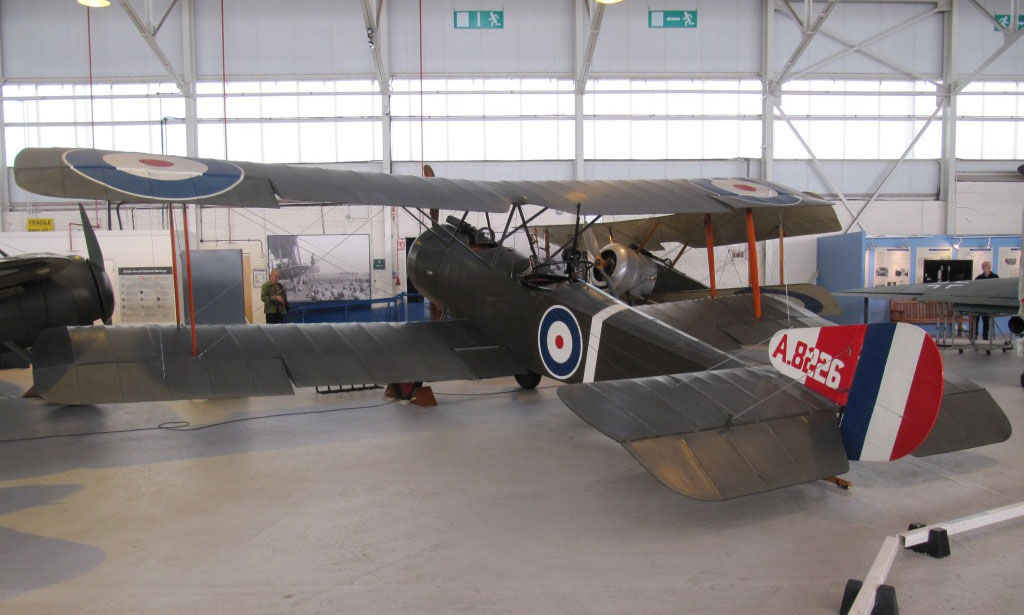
(322, 267)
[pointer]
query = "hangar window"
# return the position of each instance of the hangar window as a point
(146, 117)
(666, 119)
(857, 119)
(483, 119)
(989, 124)
(290, 121)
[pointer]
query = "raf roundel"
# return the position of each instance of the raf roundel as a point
(746, 190)
(560, 342)
(155, 176)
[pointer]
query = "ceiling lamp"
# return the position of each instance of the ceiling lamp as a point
(598, 1)
(95, 4)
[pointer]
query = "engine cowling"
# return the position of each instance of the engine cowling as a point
(628, 274)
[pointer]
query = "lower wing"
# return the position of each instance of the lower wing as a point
(91, 365)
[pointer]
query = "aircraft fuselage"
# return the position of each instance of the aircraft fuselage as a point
(567, 330)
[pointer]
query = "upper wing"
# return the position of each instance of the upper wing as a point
(720, 434)
(119, 176)
(998, 295)
(811, 216)
(89, 365)
(16, 270)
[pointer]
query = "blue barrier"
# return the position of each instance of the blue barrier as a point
(400, 308)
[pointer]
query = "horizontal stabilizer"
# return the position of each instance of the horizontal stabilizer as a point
(969, 417)
(91, 365)
(719, 434)
(887, 376)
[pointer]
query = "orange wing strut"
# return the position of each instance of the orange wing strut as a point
(755, 284)
(188, 274)
(650, 233)
(709, 238)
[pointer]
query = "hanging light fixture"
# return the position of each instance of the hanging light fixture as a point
(94, 4)
(598, 1)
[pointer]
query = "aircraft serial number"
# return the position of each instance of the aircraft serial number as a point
(817, 364)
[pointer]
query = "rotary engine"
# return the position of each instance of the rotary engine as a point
(627, 273)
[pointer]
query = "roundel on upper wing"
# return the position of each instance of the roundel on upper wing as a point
(559, 342)
(155, 176)
(746, 190)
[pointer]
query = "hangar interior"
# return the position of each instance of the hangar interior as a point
(908, 115)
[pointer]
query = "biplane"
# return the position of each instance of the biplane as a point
(717, 397)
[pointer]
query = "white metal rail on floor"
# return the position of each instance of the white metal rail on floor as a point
(880, 568)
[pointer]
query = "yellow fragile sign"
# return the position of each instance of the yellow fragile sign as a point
(39, 224)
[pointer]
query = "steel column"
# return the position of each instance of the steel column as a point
(188, 61)
(947, 172)
(769, 91)
(5, 189)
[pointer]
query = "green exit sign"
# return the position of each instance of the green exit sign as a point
(671, 19)
(378, 264)
(1004, 21)
(479, 20)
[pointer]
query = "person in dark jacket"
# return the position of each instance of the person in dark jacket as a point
(986, 274)
(275, 298)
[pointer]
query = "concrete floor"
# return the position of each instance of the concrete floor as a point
(494, 502)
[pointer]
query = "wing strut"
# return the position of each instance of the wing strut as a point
(174, 264)
(782, 257)
(755, 284)
(709, 239)
(188, 273)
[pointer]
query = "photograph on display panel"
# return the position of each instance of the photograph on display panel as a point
(322, 267)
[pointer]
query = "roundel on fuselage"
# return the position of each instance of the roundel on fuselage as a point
(559, 342)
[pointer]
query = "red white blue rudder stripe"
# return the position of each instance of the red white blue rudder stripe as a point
(155, 176)
(888, 378)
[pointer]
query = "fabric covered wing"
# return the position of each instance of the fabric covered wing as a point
(87, 365)
(720, 434)
(996, 296)
(688, 228)
(15, 270)
(48, 171)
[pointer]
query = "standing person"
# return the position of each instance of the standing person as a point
(275, 298)
(986, 274)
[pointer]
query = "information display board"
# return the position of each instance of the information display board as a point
(147, 295)
(892, 266)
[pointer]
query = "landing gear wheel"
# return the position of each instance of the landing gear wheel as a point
(530, 380)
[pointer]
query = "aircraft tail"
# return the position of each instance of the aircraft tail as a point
(886, 376)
